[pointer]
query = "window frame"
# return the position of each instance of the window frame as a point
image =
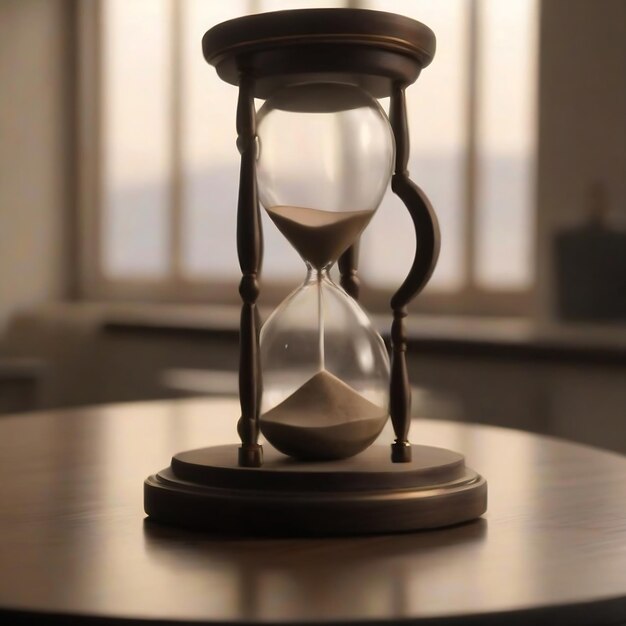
(94, 285)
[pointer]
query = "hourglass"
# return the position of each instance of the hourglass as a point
(316, 381)
(325, 155)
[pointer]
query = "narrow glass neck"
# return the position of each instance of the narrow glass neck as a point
(314, 275)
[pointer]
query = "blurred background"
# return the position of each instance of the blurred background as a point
(118, 184)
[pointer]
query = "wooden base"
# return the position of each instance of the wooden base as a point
(365, 494)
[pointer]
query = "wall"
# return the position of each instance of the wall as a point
(582, 121)
(35, 151)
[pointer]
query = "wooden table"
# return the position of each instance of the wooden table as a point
(74, 541)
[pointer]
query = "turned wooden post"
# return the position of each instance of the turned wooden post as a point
(348, 262)
(250, 252)
(426, 254)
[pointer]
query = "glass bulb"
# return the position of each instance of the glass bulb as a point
(325, 374)
(326, 146)
(323, 149)
(325, 155)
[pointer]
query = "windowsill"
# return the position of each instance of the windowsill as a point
(453, 336)
(509, 338)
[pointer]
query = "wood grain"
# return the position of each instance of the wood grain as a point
(73, 541)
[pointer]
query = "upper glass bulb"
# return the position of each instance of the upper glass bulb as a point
(324, 149)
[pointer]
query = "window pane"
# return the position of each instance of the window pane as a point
(436, 105)
(210, 158)
(506, 143)
(135, 138)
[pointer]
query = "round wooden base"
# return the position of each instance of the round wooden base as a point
(365, 494)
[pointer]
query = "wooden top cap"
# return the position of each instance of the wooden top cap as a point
(324, 43)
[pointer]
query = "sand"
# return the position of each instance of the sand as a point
(324, 419)
(320, 237)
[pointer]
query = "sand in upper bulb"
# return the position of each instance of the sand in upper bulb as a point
(320, 237)
(323, 419)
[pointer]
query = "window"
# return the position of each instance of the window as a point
(162, 168)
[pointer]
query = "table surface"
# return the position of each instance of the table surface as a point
(74, 539)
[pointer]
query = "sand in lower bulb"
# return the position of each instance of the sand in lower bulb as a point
(323, 419)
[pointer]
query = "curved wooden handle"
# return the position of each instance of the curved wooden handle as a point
(427, 237)
(426, 254)
(348, 262)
